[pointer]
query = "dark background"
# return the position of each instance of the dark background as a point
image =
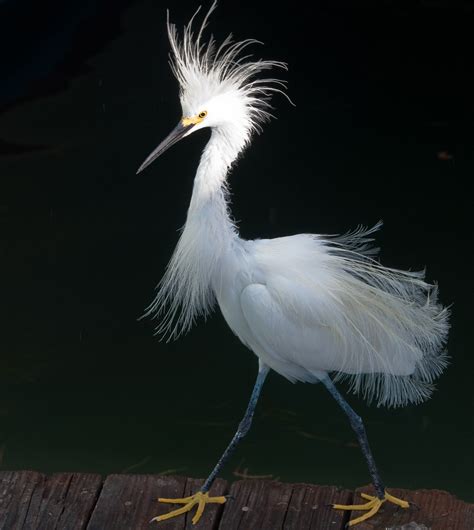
(382, 129)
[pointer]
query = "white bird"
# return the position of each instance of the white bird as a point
(312, 308)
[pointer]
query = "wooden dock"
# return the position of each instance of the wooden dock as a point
(76, 501)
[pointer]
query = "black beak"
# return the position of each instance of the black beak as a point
(175, 136)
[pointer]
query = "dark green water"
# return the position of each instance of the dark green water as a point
(86, 387)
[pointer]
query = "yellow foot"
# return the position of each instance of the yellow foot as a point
(199, 498)
(372, 507)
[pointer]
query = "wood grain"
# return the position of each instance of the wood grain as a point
(81, 501)
(32, 501)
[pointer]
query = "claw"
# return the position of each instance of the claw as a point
(372, 506)
(199, 498)
(395, 500)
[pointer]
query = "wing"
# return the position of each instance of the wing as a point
(295, 350)
(322, 308)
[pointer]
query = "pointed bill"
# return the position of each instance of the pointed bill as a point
(176, 134)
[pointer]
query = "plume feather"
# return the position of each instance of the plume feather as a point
(202, 71)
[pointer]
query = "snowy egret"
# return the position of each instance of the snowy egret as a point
(312, 308)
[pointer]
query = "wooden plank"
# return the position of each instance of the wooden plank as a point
(63, 501)
(16, 490)
(129, 502)
(311, 507)
(268, 505)
(72, 501)
(252, 501)
(32, 501)
(432, 509)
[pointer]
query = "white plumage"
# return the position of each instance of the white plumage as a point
(305, 304)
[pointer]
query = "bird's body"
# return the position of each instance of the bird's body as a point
(312, 308)
(304, 304)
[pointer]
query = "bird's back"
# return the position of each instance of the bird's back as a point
(307, 305)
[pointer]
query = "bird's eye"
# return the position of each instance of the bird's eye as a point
(202, 114)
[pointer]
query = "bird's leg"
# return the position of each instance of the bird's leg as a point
(359, 429)
(243, 428)
(373, 505)
(201, 498)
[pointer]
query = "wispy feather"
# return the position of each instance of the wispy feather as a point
(304, 304)
(395, 317)
(205, 70)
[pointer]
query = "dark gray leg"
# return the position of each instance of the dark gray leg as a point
(243, 429)
(359, 429)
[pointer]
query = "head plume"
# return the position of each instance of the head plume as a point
(205, 71)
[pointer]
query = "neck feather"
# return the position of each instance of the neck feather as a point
(217, 158)
(185, 291)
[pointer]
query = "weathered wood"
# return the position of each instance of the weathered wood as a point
(73, 501)
(431, 510)
(16, 489)
(269, 505)
(311, 507)
(249, 503)
(129, 502)
(32, 501)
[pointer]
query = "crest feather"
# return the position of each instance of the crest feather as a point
(205, 70)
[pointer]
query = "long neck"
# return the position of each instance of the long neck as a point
(185, 291)
(209, 208)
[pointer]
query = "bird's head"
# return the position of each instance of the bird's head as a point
(219, 87)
